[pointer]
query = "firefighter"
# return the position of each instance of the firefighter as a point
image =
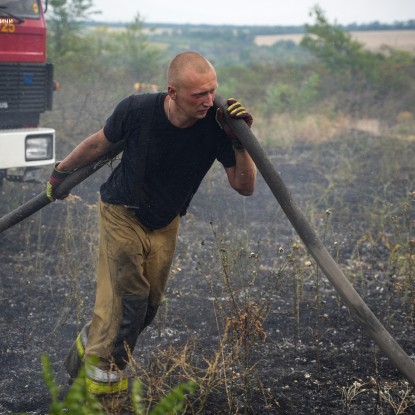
(171, 140)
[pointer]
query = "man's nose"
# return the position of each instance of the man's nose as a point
(210, 99)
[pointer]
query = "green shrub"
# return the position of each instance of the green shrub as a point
(79, 402)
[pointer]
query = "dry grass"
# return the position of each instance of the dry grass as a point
(373, 40)
(285, 129)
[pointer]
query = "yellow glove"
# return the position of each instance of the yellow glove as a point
(56, 178)
(237, 111)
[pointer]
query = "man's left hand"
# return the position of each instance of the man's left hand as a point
(237, 111)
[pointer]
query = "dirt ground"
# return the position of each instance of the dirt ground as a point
(236, 258)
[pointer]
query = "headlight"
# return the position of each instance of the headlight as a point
(39, 147)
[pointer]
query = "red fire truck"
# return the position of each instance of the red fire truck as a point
(26, 88)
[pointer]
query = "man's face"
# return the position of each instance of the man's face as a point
(195, 95)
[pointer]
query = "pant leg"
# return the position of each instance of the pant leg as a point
(122, 288)
(133, 268)
(158, 263)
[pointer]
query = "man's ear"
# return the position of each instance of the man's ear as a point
(172, 92)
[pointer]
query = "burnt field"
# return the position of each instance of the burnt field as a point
(247, 314)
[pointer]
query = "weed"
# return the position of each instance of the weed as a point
(78, 401)
(395, 396)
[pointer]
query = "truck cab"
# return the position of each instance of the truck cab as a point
(26, 90)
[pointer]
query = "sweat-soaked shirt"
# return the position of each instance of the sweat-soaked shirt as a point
(176, 162)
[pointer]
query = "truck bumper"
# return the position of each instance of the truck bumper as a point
(24, 151)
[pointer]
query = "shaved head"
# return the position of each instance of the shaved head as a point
(191, 89)
(182, 63)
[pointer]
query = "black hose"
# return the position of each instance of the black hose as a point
(357, 306)
(41, 200)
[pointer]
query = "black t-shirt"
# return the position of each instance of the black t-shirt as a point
(176, 162)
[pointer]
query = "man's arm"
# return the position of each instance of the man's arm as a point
(90, 149)
(242, 176)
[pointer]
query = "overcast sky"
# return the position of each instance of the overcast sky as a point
(254, 12)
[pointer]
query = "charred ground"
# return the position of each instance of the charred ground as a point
(242, 283)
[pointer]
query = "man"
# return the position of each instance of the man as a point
(171, 141)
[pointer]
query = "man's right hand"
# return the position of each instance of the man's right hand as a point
(56, 178)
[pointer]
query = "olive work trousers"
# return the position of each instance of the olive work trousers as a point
(133, 267)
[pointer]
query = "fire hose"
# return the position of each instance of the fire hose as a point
(360, 311)
(41, 200)
(324, 260)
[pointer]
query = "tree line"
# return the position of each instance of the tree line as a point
(258, 30)
(328, 71)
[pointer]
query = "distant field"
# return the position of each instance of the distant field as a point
(374, 40)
